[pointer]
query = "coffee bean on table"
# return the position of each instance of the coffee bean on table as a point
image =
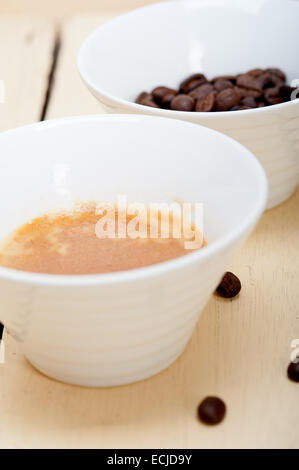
(206, 103)
(211, 410)
(192, 82)
(226, 99)
(161, 91)
(293, 371)
(229, 286)
(182, 103)
(222, 84)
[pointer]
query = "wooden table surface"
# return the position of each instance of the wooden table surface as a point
(239, 351)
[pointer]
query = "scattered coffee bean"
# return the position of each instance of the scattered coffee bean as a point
(226, 99)
(192, 82)
(211, 410)
(293, 371)
(182, 103)
(229, 286)
(256, 88)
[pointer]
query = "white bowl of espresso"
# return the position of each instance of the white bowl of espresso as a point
(120, 327)
(164, 43)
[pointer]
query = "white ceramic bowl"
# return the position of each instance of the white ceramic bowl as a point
(115, 328)
(163, 43)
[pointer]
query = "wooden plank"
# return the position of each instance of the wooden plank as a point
(239, 351)
(70, 97)
(26, 47)
(60, 10)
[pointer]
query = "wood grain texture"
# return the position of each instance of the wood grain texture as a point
(239, 351)
(26, 46)
(70, 97)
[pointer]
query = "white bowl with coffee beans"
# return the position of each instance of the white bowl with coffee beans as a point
(227, 65)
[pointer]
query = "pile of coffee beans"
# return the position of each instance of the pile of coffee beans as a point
(256, 88)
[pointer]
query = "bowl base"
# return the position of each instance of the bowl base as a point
(84, 381)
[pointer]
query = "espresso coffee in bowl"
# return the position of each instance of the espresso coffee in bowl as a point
(115, 324)
(80, 242)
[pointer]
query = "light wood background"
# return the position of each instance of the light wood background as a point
(239, 351)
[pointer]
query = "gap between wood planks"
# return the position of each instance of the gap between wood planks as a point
(51, 78)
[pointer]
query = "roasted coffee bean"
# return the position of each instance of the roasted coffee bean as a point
(272, 95)
(248, 101)
(275, 80)
(142, 96)
(192, 82)
(146, 99)
(255, 79)
(231, 78)
(182, 103)
(206, 103)
(244, 92)
(254, 89)
(255, 72)
(149, 102)
(229, 286)
(277, 72)
(160, 91)
(285, 92)
(167, 100)
(201, 91)
(222, 84)
(293, 371)
(226, 99)
(240, 108)
(211, 410)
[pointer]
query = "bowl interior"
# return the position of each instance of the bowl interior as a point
(163, 43)
(52, 165)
